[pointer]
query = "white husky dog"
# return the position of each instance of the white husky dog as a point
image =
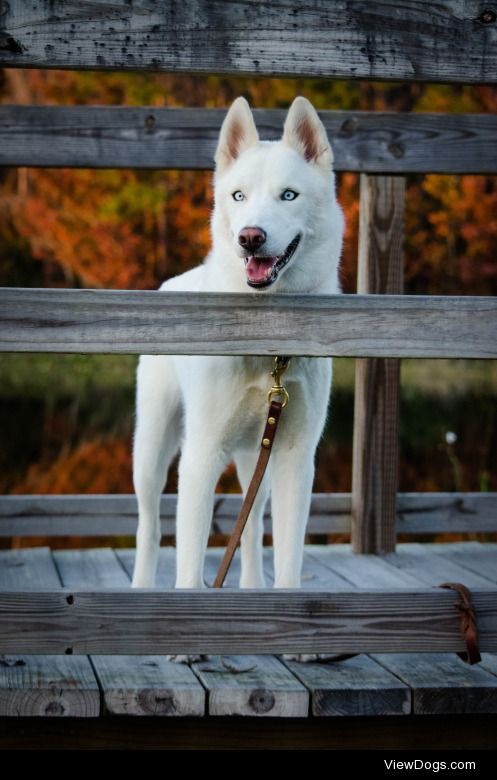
(276, 227)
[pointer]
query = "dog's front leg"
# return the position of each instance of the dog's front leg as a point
(252, 572)
(291, 488)
(199, 471)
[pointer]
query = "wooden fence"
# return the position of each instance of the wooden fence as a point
(444, 41)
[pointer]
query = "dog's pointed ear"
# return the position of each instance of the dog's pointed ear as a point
(304, 132)
(238, 132)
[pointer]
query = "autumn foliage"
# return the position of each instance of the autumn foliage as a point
(132, 228)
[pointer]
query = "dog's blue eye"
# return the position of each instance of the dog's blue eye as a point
(289, 195)
(238, 195)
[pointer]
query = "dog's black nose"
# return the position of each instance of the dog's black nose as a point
(252, 238)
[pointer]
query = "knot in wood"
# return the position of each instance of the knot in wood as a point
(396, 150)
(261, 701)
(488, 16)
(54, 708)
(8, 43)
(164, 705)
(150, 122)
(348, 128)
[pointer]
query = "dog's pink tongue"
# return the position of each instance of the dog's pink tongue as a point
(259, 268)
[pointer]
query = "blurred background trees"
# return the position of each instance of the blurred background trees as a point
(67, 421)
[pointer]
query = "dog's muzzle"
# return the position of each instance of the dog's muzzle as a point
(263, 270)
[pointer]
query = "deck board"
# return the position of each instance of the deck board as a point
(361, 571)
(477, 557)
(432, 568)
(256, 685)
(42, 685)
(378, 684)
(355, 686)
(131, 685)
(442, 684)
(252, 685)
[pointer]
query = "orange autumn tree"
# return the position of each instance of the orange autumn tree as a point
(128, 228)
(132, 228)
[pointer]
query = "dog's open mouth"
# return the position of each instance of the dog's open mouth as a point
(263, 270)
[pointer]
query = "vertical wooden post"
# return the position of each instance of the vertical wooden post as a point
(376, 410)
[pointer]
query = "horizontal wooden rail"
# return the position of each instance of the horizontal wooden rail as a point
(50, 320)
(133, 622)
(113, 515)
(112, 137)
(441, 41)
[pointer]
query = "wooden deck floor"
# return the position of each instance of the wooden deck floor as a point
(255, 686)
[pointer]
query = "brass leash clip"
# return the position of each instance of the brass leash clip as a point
(279, 391)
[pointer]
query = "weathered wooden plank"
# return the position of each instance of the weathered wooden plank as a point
(375, 459)
(105, 515)
(489, 662)
(443, 684)
(251, 685)
(131, 685)
(151, 137)
(148, 685)
(479, 558)
(226, 621)
(37, 685)
(440, 682)
(356, 686)
(430, 568)
(91, 569)
(446, 512)
(48, 686)
(442, 41)
(362, 571)
(316, 575)
(248, 685)
(112, 321)
(27, 569)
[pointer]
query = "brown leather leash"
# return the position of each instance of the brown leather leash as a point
(275, 408)
(467, 623)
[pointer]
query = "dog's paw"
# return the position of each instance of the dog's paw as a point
(314, 658)
(186, 659)
(303, 658)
